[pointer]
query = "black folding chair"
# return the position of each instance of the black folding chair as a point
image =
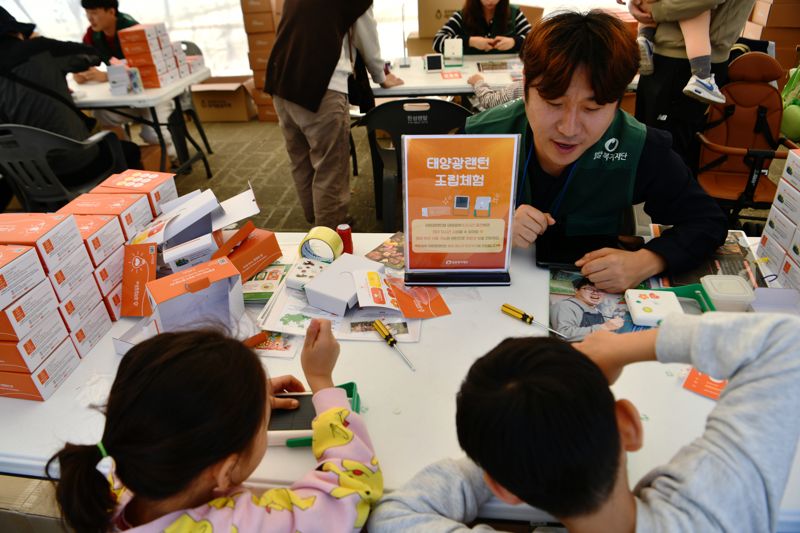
(417, 116)
(24, 164)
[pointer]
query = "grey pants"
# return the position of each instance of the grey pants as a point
(318, 145)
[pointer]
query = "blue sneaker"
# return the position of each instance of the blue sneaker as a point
(705, 90)
(645, 56)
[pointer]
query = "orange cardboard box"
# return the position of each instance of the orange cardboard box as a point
(133, 210)
(20, 271)
(28, 353)
(258, 42)
(204, 294)
(138, 32)
(256, 6)
(19, 318)
(71, 273)
(139, 268)
(259, 23)
(54, 236)
(136, 48)
(151, 79)
(77, 306)
(109, 274)
(258, 60)
(46, 379)
(101, 234)
(113, 303)
(158, 186)
(258, 250)
(91, 330)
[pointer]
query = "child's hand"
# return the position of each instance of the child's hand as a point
(284, 384)
(320, 352)
(612, 351)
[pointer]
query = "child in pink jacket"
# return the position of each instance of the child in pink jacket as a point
(186, 425)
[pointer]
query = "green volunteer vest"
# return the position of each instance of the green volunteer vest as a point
(600, 190)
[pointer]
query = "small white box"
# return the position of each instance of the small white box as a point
(113, 301)
(787, 199)
(780, 227)
(190, 253)
(28, 353)
(109, 274)
(91, 330)
(768, 247)
(20, 271)
(79, 304)
(334, 289)
(70, 273)
(650, 307)
(789, 276)
(133, 210)
(102, 234)
(791, 171)
(23, 315)
(55, 236)
(46, 379)
(728, 293)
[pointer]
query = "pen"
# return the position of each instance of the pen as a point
(519, 314)
(387, 336)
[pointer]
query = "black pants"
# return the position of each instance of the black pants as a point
(660, 103)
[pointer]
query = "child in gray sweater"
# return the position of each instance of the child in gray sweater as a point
(539, 419)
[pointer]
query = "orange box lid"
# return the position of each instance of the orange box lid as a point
(88, 225)
(258, 250)
(101, 204)
(191, 279)
(28, 227)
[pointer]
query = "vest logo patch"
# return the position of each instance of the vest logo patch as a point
(612, 144)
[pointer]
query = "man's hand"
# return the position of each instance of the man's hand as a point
(93, 74)
(319, 355)
(481, 43)
(641, 11)
(528, 224)
(613, 324)
(475, 78)
(391, 81)
(615, 270)
(503, 43)
(612, 351)
(284, 384)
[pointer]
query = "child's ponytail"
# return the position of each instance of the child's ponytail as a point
(83, 494)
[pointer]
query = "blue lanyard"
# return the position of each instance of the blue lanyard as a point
(556, 205)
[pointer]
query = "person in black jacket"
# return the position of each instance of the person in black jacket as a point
(43, 63)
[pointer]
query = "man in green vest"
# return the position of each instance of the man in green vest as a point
(105, 20)
(584, 162)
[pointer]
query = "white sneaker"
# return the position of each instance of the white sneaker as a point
(645, 56)
(705, 90)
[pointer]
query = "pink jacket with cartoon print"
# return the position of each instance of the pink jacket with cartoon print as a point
(335, 496)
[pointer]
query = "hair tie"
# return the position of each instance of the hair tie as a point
(108, 468)
(102, 449)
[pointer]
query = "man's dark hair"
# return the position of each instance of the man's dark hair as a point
(582, 282)
(94, 4)
(538, 416)
(557, 45)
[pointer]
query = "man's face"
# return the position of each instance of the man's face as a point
(102, 18)
(565, 127)
(589, 294)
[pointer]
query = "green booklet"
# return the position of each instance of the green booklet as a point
(260, 288)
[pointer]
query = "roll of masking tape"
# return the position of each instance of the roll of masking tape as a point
(321, 244)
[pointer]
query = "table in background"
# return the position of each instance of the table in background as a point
(410, 415)
(97, 95)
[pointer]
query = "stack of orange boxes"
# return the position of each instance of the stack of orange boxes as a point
(148, 48)
(777, 21)
(51, 309)
(260, 23)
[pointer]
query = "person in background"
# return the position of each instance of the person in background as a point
(660, 98)
(105, 22)
(584, 162)
(488, 97)
(577, 316)
(485, 26)
(27, 67)
(186, 425)
(540, 425)
(307, 76)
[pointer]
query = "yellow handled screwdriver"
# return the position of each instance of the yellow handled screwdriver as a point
(387, 336)
(519, 314)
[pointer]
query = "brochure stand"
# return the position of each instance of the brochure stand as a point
(459, 204)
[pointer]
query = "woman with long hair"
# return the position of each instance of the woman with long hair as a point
(485, 27)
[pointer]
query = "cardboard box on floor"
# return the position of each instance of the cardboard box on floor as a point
(256, 6)
(434, 13)
(223, 99)
(28, 505)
